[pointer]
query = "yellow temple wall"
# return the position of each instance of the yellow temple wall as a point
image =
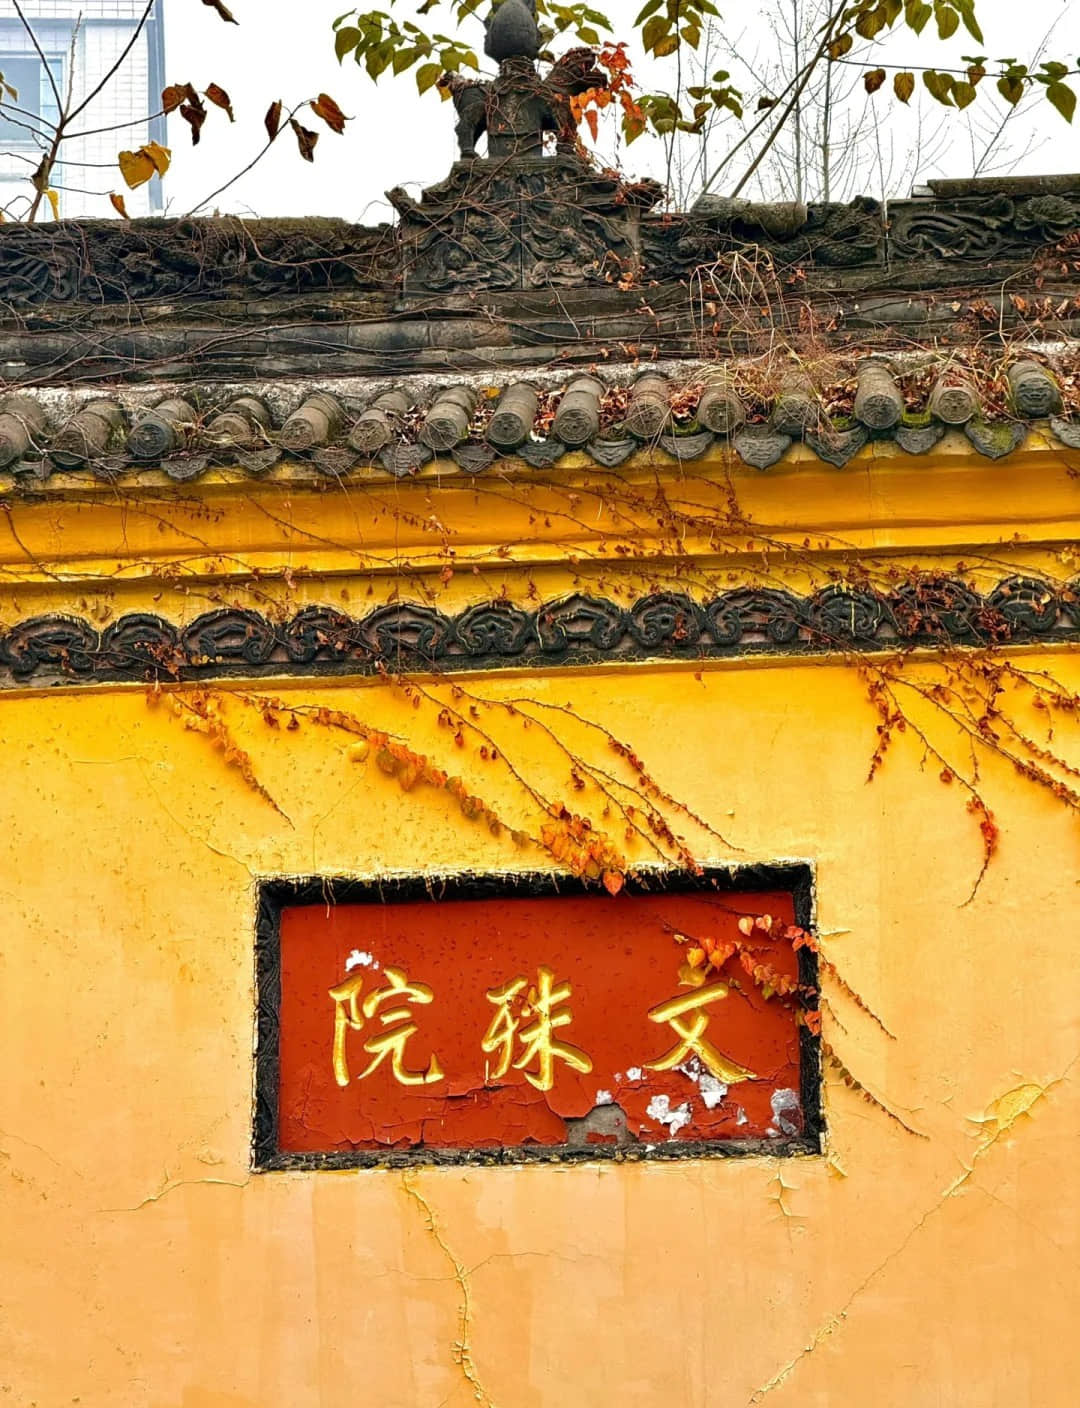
(927, 1256)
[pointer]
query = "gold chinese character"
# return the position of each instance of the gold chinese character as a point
(537, 1039)
(349, 1012)
(692, 1034)
(504, 1024)
(346, 999)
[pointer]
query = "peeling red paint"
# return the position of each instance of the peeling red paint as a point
(620, 961)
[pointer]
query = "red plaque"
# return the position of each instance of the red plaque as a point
(537, 1021)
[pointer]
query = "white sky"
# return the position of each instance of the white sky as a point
(284, 49)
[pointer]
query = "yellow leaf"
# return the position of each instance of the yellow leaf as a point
(136, 167)
(54, 201)
(691, 977)
(117, 203)
(152, 159)
(159, 155)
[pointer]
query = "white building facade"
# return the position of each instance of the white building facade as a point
(80, 46)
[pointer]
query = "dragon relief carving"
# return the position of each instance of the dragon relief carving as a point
(104, 261)
(980, 229)
(830, 235)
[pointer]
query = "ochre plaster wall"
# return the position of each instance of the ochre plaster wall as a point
(144, 1266)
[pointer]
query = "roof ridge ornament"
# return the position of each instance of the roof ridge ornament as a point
(520, 216)
(512, 31)
(519, 107)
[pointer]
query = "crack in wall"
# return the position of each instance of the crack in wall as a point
(1002, 1114)
(462, 1347)
(169, 1187)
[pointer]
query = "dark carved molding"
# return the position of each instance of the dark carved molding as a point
(831, 236)
(104, 261)
(981, 228)
(574, 630)
(512, 224)
(530, 223)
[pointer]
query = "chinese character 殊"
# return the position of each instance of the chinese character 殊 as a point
(538, 1038)
(691, 1033)
(396, 1019)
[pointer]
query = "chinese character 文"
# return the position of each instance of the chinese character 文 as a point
(538, 1038)
(350, 1013)
(691, 1033)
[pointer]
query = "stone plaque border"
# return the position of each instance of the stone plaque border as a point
(274, 895)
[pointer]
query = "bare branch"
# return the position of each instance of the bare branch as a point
(111, 74)
(44, 61)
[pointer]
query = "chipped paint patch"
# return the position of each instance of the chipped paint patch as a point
(659, 1109)
(713, 1090)
(359, 959)
(604, 1097)
(1000, 1116)
(787, 1112)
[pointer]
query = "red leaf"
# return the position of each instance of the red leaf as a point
(194, 117)
(613, 882)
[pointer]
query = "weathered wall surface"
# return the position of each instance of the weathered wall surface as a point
(143, 1264)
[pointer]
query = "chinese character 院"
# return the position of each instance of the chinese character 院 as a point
(391, 1005)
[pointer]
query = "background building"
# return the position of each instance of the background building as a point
(81, 42)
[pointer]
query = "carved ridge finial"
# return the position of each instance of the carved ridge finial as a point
(512, 31)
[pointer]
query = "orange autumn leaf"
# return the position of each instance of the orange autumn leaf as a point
(325, 107)
(174, 95)
(221, 99)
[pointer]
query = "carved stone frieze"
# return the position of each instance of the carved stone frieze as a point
(532, 223)
(830, 236)
(524, 221)
(105, 261)
(577, 629)
(980, 228)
